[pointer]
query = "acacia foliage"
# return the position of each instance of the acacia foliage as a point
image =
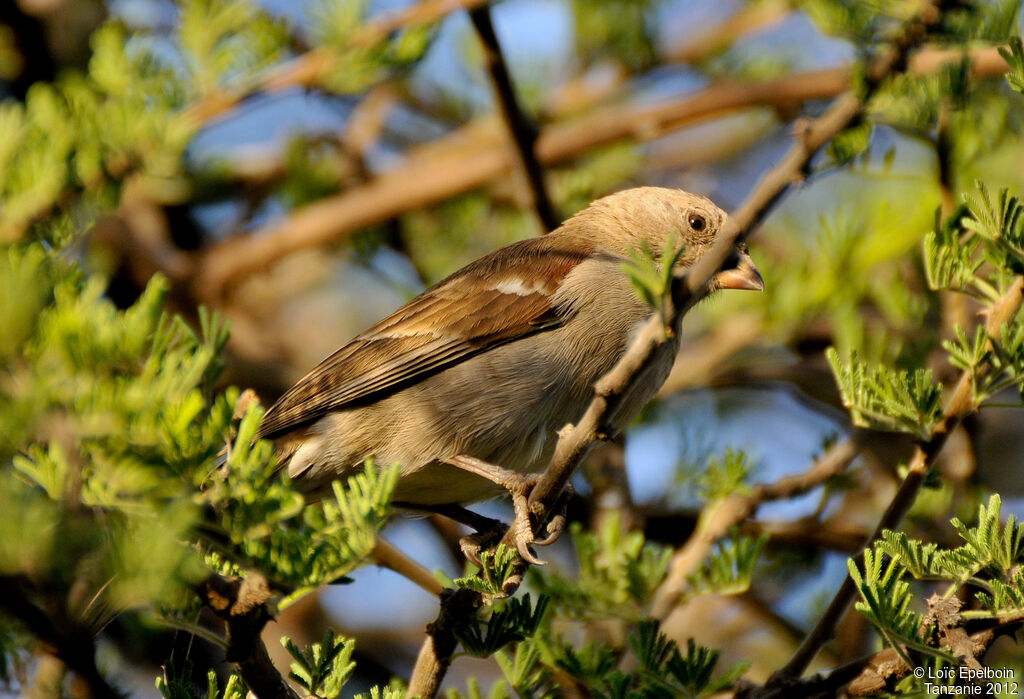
(115, 423)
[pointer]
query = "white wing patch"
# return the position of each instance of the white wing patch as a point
(520, 287)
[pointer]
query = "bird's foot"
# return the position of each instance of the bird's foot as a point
(520, 533)
(473, 545)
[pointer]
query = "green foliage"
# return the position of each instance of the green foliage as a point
(986, 567)
(499, 690)
(991, 22)
(382, 693)
(850, 143)
(999, 224)
(995, 547)
(525, 673)
(110, 459)
(651, 273)
(886, 604)
(1014, 57)
(108, 415)
(979, 251)
(952, 261)
(88, 132)
(510, 621)
(224, 41)
(295, 545)
(729, 567)
(359, 64)
(915, 102)
(680, 675)
(888, 399)
(618, 574)
(664, 671)
(616, 27)
(323, 668)
(724, 476)
(179, 685)
(850, 280)
(863, 23)
(497, 567)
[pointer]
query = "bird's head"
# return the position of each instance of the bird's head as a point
(651, 217)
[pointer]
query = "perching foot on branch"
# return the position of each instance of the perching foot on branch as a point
(519, 486)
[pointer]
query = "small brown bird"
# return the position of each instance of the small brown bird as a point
(491, 362)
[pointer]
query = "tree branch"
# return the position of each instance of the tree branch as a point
(387, 556)
(576, 440)
(308, 69)
(959, 405)
(457, 606)
(472, 157)
(63, 637)
(871, 674)
(584, 91)
(719, 517)
(242, 604)
(522, 129)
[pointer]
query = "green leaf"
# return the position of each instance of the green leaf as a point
(1014, 57)
(322, 668)
(618, 574)
(511, 621)
(729, 567)
(888, 399)
(496, 567)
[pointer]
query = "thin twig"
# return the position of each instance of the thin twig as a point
(387, 556)
(523, 130)
(193, 629)
(719, 517)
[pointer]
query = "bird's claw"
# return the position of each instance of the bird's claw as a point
(520, 533)
(473, 545)
(556, 524)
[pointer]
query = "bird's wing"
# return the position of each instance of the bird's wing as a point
(501, 297)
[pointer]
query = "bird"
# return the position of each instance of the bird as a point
(484, 368)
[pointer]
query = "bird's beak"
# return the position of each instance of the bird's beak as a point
(743, 276)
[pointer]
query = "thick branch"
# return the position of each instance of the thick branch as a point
(242, 604)
(522, 129)
(457, 606)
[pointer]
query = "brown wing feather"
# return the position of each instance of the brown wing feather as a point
(440, 327)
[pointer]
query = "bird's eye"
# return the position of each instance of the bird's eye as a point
(697, 222)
